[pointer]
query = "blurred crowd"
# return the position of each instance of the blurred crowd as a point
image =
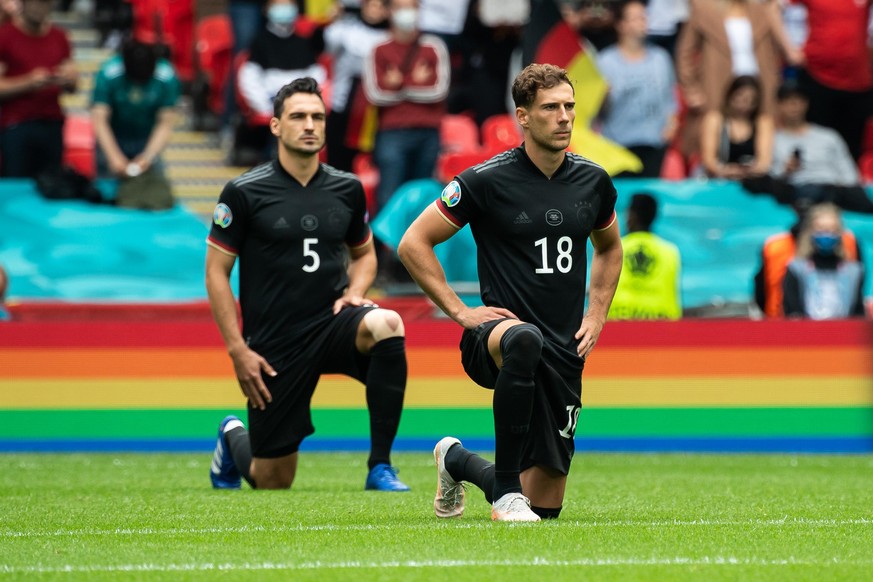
(773, 94)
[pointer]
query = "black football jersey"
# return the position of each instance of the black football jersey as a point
(292, 242)
(531, 234)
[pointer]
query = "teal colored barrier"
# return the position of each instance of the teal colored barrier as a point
(74, 251)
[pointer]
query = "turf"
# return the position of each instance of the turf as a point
(626, 517)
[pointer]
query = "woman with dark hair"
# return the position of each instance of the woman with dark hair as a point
(737, 141)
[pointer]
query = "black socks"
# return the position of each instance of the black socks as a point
(386, 384)
(521, 346)
(237, 440)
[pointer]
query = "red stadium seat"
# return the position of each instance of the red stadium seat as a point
(79, 144)
(673, 167)
(169, 22)
(214, 51)
(500, 133)
(368, 173)
(450, 164)
(865, 166)
(458, 133)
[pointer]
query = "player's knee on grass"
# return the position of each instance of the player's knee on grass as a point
(268, 476)
(521, 347)
(383, 324)
(547, 512)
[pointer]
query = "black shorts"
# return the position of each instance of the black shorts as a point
(557, 401)
(287, 420)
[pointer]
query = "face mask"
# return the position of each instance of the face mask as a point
(405, 19)
(825, 243)
(282, 14)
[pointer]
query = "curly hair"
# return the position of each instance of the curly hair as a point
(535, 77)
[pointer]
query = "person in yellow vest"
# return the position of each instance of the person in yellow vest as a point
(649, 286)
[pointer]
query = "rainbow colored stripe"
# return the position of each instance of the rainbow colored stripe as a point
(688, 385)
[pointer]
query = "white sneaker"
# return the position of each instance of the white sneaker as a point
(513, 507)
(449, 500)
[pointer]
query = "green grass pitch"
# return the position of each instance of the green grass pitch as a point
(626, 517)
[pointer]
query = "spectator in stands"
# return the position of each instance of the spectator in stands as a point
(407, 78)
(649, 286)
(721, 41)
(778, 251)
(737, 141)
(809, 161)
(287, 48)
(133, 110)
(838, 77)
(35, 67)
(491, 35)
(639, 111)
(350, 40)
(666, 19)
(246, 19)
(9, 9)
(594, 20)
(821, 282)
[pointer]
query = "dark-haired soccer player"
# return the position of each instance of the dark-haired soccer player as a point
(532, 210)
(306, 259)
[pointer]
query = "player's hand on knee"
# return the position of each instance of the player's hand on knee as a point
(250, 367)
(470, 318)
(350, 301)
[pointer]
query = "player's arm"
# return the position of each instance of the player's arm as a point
(362, 273)
(416, 251)
(246, 362)
(605, 270)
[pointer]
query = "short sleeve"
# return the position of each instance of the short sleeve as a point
(358, 233)
(457, 203)
(608, 196)
(171, 87)
(229, 221)
(101, 88)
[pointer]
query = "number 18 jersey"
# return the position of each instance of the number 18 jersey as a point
(531, 235)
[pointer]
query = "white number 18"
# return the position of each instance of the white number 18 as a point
(564, 261)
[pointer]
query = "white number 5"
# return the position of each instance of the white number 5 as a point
(309, 252)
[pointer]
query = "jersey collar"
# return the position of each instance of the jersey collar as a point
(282, 172)
(533, 167)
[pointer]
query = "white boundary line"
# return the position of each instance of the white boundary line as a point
(786, 521)
(413, 564)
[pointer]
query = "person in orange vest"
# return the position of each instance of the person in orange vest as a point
(779, 250)
(821, 282)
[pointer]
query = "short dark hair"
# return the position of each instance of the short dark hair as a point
(140, 59)
(790, 89)
(645, 206)
(535, 77)
(301, 85)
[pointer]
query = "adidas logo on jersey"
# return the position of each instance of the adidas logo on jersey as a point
(522, 218)
(281, 223)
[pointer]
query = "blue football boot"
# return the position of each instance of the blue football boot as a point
(383, 477)
(223, 471)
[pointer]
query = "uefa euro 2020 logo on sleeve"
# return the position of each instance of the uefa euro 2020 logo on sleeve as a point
(451, 194)
(222, 216)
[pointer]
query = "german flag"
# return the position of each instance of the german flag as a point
(548, 39)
